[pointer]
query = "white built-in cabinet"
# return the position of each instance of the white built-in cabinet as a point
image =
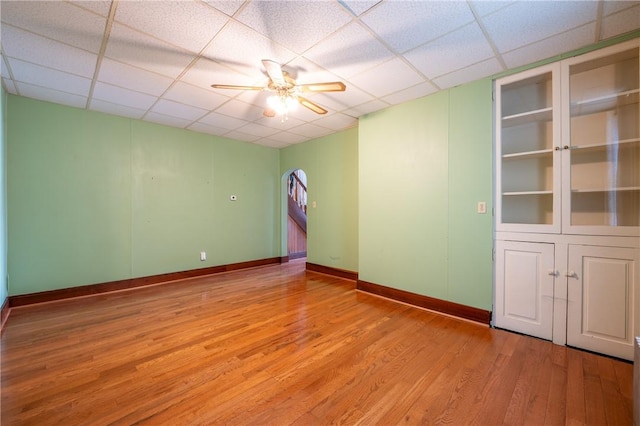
(567, 252)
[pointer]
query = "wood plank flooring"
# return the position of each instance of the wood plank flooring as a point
(277, 345)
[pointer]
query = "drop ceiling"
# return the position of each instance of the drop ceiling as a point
(156, 60)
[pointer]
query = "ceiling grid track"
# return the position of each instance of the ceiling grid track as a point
(492, 44)
(103, 49)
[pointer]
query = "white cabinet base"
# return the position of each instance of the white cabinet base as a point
(601, 299)
(524, 287)
(570, 290)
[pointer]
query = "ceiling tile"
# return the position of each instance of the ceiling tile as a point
(411, 93)
(271, 143)
(358, 7)
(228, 7)
(167, 120)
(403, 76)
(130, 77)
(253, 97)
(305, 71)
(621, 22)
(45, 94)
(313, 21)
(484, 7)
(257, 130)
(468, 74)
(456, 50)
(120, 96)
(551, 46)
(30, 47)
(192, 95)
(114, 109)
(190, 25)
(222, 121)
(142, 51)
(528, 22)
(349, 51)
(611, 7)
(279, 124)
(9, 86)
(206, 72)
(366, 108)
(241, 110)
(59, 21)
(26, 72)
(338, 101)
(234, 134)
(287, 138)
(178, 110)
(336, 121)
(242, 48)
(311, 130)
(205, 128)
(408, 24)
(101, 7)
(5, 70)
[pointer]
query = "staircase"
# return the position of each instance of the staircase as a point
(297, 223)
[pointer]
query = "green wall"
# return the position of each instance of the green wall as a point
(3, 197)
(95, 198)
(423, 166)
(331, 166)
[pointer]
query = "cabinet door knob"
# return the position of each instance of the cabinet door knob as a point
(557, 148)
(566, 147)
(552, 272)
(571, 274)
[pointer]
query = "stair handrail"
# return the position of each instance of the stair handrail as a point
(299, 181)
(297, 184)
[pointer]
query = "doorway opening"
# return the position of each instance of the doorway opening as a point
(297, 214)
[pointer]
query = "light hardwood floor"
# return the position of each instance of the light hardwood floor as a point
(277, 345)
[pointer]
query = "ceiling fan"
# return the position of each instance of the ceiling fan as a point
(287, 93)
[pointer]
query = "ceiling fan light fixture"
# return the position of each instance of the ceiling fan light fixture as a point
(282, 104)
(286, 92)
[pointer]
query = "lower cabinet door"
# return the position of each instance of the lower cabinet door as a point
(525, 276)
(602, 299)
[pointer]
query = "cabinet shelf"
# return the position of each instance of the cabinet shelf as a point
(528, 154)
(604, 103)
(614, 189)
(544, 114)
(513, 193)
(605, 145)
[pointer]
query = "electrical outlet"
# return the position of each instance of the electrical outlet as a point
(203, 255)
(482, 207)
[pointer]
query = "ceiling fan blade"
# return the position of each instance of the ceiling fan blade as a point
(275, 72)
(311, 105)
(269, 112)
(232, 86)
(334, 86)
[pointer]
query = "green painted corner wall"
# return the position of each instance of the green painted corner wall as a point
(3, 197)
(470, 180)
(95, 198)
(423, 166)
(331, 166)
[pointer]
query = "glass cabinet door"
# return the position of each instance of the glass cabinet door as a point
(526, 131)
(601, 151)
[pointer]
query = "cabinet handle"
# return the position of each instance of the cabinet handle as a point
(557, 148)
(565, 147)
(571, 274)
(552, 272)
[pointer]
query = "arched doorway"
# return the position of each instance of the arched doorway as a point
(297, 214)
